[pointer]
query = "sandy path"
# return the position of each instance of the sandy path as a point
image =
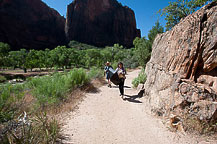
(104, 118)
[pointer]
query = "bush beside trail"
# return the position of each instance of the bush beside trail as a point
(24, 106)
(141, 79)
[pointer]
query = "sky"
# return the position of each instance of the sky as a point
(145, 11)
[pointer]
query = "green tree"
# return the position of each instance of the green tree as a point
(143, 46)
(74, 57)
(60, 57)
(4, 51)
(156, 29)
(93, 57)
(41, 59)
(107, 54)
(18, 59)
(32, 59)
(179, 9)
(47, 59)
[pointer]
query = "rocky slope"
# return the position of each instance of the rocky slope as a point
(101, 23)
(182, 72)
(30, 24)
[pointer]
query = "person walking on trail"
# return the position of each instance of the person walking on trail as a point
(121, 74)
(108, 73)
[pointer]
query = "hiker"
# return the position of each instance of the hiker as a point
(121, 74)
(108, 73)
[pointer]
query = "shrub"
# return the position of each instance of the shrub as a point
(52, 89)
(95, 73)
(2, 79)
(24, 129)
(114, 65)
(140, 79)
(48, 89)
(76, 78)
(10, 101)
(130, 62)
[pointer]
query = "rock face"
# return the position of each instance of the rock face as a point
(101, 23)
(182, 72)
(30, 24)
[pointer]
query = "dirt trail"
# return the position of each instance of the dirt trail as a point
(104, 118)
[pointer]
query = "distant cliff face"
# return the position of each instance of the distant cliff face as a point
(30, 24)
(182, 72)
(101, 23)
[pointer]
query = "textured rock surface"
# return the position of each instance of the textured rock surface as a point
(30, 24)
(101, 23)
(182, 71)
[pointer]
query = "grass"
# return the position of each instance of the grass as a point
(45, 91)
(95, 73)
(2, 79)
(10, 100)
(141, 79)
(54, 89)
(26, 130)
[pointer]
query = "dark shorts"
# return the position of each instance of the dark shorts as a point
(107, 76)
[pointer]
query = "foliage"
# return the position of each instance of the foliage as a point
(48, 89)
(26, 129)
(95, 73)
(76, 78)
(93, 57)
(10, 97)
(53, 89)
(33, 59)
(2, 79)
(131, 59)
(156, 29)
(18, 59)
(114, 65)
(4, 49)
(141, 79)
(179, 9)
(143, 46)
(73, 57)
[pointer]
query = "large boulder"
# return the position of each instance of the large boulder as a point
(30, 24)
(101, 23)
(182, 71)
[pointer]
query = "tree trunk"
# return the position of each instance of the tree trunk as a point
(25, 70)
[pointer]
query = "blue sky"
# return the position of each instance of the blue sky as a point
(145, 11)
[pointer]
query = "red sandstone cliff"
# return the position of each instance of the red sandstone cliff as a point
(101, 23)
(30, 24)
